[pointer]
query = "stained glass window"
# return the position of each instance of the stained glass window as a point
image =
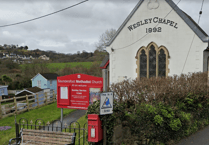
(152, 62)
(162, 63)
(143, 64)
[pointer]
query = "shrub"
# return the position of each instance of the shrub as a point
(158, 108)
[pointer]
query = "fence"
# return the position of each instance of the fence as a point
(21, 104)
(81, 133)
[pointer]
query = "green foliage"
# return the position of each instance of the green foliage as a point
(164, 109)
(185, 116)
(151, 109)
(188, 100)
(158, 119)
(181, 105)
(6, 79)
(175, 124)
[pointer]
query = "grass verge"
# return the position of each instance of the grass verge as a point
(47, 113)
(82, 121)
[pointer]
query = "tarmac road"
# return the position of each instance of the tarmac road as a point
(74, 116)
(199, 138)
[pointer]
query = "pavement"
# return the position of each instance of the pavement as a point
(199, 138)
(74, 116)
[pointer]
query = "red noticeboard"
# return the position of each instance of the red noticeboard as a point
(73, 90)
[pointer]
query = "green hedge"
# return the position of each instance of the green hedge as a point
(164, 117)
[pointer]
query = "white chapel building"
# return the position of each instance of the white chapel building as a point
(156, 39)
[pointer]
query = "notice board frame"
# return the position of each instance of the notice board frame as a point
(63, 101)
(78, 90)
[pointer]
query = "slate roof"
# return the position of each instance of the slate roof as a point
(187, 19)
(34, 89)
(50, 76)
(105, 60)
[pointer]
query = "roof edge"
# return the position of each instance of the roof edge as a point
(23, 91)
(125, 22)
(185, 18)
(2, 86)
(38, 74)
(188, 21)
(105, 66)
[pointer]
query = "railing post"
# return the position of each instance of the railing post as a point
(16, 130)
(0, 107)
(28, 107)
(15, 102)
(45, 98)
(37, 100)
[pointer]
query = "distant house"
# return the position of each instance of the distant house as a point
(43, 57)
(36, 91)
(3, 90)
(45, 80)
(12, 55)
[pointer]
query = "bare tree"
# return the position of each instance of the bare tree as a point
(104, 39)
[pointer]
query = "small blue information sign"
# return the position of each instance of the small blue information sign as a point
(106, 103)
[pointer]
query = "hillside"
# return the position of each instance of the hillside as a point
(12, 52)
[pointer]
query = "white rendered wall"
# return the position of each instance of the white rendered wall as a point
(177, 41)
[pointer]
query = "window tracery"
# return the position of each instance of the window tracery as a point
(152, 61)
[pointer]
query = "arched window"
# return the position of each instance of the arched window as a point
(162, 63)
(143, 64)
(152, 61)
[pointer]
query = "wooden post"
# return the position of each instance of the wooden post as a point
(0, 107)
(54, 96)
(37, 100)
(28, 107)
(45, 98)
(15, 102)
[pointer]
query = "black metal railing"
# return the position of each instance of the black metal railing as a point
(57, 125)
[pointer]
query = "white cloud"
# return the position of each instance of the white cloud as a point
(75, 29)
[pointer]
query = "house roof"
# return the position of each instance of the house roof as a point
(105, 62)
(47, 76)
(34, 89)
(187, 19)
(29, 91)
(3, 86)
(50, 76)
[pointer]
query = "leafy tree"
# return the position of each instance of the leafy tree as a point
(18, 76)
(26, 47)
(6, 79)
